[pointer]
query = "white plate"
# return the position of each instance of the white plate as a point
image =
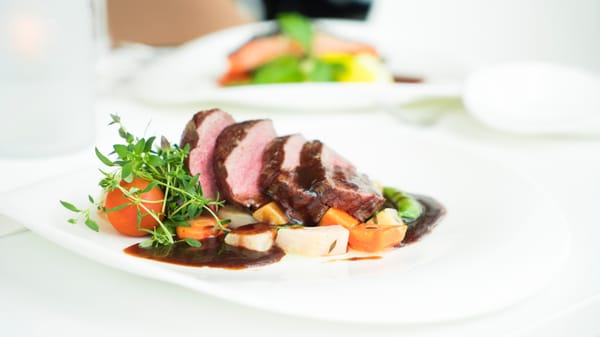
(501, 241)
(189, 75)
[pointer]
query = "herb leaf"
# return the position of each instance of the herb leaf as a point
(70, 206)
(163, 167)
(193, 242)
(103, 158)
(297, 27)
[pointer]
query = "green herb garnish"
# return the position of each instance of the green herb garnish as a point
(162, 166)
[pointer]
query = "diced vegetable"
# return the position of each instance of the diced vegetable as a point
(271, 213)
(313, 241)
(201, 228)
(387, 216)
(336, 216)
(408, 207)
(375, 237)
(237, 217)
(258, 240)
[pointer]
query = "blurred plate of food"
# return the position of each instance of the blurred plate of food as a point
(290, 63)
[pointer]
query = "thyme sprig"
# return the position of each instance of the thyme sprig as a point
(162, 166)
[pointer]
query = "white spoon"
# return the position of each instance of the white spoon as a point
(535, 98)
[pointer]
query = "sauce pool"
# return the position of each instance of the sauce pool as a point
(213, 253)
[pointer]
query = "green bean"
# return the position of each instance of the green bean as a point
(409, 208)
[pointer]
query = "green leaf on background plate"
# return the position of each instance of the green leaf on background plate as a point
(284, 69)
(298, 28)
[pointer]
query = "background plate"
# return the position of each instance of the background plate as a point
(189, 74)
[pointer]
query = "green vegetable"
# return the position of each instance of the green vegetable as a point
(409, 208)
(291, 68)
(321, 71)
(284, 69)
(164, 167)
(297, 27)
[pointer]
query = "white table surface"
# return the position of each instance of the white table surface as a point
(46, 290)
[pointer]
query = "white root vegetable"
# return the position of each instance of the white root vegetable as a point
(313, 241)
(387, 216)
(237, 216)
(258, 237)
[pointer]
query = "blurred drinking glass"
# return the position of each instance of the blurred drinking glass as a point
(46, 77)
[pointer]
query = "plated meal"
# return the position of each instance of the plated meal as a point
(465, 266)
(297, 52)
(236, 195)
(348, 69)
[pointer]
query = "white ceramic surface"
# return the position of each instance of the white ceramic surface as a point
(501, 241)
(189, 74)
(534, 98)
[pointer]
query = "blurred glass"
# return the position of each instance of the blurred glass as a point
(46, 77)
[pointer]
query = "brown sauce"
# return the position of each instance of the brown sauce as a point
(255, 228)
(432, 215)
(217, 254)
(213, 253)
(407, 79)
(360, 258)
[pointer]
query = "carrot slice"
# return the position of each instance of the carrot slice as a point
(375, 237)
(201, 228)
(271, 213)
(336, 216)
(233, 78)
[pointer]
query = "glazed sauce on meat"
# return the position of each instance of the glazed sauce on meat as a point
(213, 253)
(432, 214)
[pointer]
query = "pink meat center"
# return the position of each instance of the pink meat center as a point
(247, 159)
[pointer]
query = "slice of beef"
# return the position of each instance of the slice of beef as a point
(282, 154)
(238, 161)
(278, 180)
(201, 134)
(337, 182)
(323, 179)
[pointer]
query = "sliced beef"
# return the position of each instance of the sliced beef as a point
(282, 154)
(337, 182)
(278, 180)
(201, 134)
(238, 161)
(322, 179)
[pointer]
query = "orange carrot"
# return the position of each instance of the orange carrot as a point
(201, 228)
(375, 237)
(234, 78)
(336, 216)
(271, 213)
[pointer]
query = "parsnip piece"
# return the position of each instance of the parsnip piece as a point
(387, 216)
(313, 241)
(237, 216)
(258, 237)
